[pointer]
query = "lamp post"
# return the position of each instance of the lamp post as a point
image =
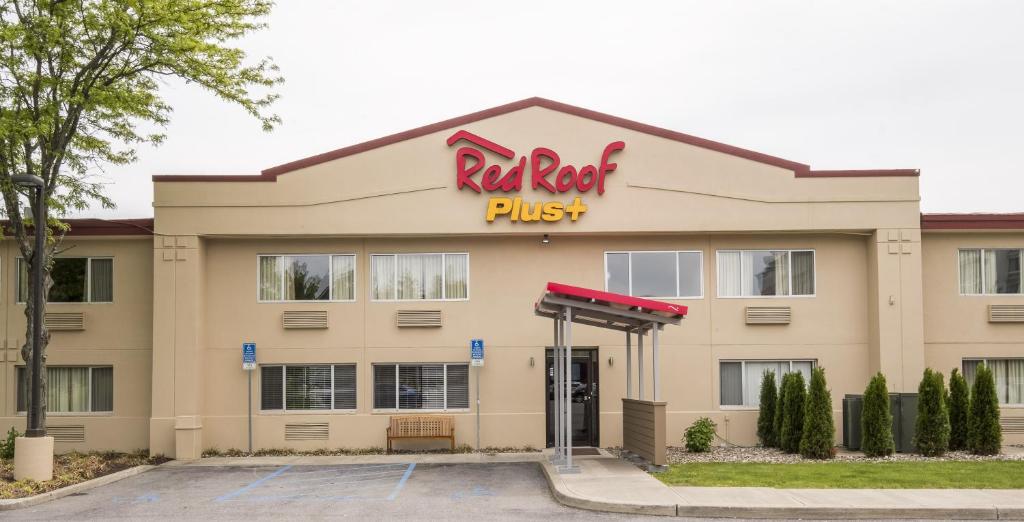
(34, 453)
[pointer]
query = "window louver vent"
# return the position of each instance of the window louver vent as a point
(1006, 313)
(304, 319)
(418, 318)
(66, 433)
(1012, 424)
(307, 431)
(769, 315)
(64, 320)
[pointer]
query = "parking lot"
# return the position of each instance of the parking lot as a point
(363, 491)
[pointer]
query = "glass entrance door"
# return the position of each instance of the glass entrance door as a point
(585, 409)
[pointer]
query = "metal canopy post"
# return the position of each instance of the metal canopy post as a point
(629, 365)
(640, 363)
(654, 361)
(556, 456)
(568, 467)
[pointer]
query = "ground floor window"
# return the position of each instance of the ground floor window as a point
(72, 389)
(1008, 374)
(308, 387)
(420, 386)
(741, 380)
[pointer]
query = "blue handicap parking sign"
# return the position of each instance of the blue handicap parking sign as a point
(248, 356)
(476, 352)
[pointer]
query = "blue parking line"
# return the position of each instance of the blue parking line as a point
(401, 483)
(238, 492)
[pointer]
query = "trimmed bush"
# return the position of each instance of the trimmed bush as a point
(793, 414)
(7, 445)
(959, 408)
(766, 412)
(780, 404)
(931, 429)
(876, 420)
(819, 431)
(984, 436)
(699, 435)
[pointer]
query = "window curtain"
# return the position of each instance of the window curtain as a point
(781, 262)
(747, 275)
(970, 272)
(803, 273)
(1015, 381)
(270, 278)
(970, 370)
(755, 374)
(999, 368)
(382, 276)
(729, 274)
(433, 278)
(991, 272)
(458, 386)
(67, 389)
(308, 387)
(731, 381)
(804, 367)
(343, 271)
(103, 389)
(419, 276)
(101, 280)
(456, 276)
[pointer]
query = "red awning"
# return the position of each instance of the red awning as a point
(606, 310)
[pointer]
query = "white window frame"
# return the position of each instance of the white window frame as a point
(983, 285)
(629, 271)
(743, 379)
(397, 408)
(284, 390)
(443, 276)
(790, 295)
(89, 413)
(88, 281)
(330, 279)
(984, 360)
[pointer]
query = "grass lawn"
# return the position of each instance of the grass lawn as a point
(854, 475)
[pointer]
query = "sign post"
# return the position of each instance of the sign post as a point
(249, 365)
(476, 353)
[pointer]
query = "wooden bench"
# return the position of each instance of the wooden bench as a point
(422, 427)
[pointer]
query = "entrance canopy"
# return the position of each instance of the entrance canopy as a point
(567, 305)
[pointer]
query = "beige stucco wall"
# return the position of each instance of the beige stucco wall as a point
(117, 334)
(956, 326)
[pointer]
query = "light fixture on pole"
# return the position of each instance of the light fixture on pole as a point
(545, 240)
(34, 426)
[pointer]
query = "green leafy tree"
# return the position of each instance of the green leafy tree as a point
(766, 412)
(959, 409)
(819, 431)
(984, 436)
(780, 405)
(80, 80)
(931, 429)
(876, 419)
(793, 414)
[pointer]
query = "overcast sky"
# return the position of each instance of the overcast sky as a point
(932, 85)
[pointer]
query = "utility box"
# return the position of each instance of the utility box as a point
(903, 407)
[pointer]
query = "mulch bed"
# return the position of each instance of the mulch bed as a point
(69, 469)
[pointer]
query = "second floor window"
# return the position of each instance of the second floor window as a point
(654, 274)
(985, 271)
(758, 273)
(405, 277)
(75, 280)
(307, 278)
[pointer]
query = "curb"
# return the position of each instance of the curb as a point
(18, 503)
(564, 495)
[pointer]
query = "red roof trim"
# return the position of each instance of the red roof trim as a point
(972, 221)
(800, 169)
(873, 173)
(103, 227)
(626, 300)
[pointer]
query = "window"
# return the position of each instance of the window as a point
(75, 280)
(420, 386)
(307, 278)
(308, 387)
(410, 277)
(757, 273)
(73, 389)
(654, 274)
(989, 271)
(1008, 374)
(741, 380)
